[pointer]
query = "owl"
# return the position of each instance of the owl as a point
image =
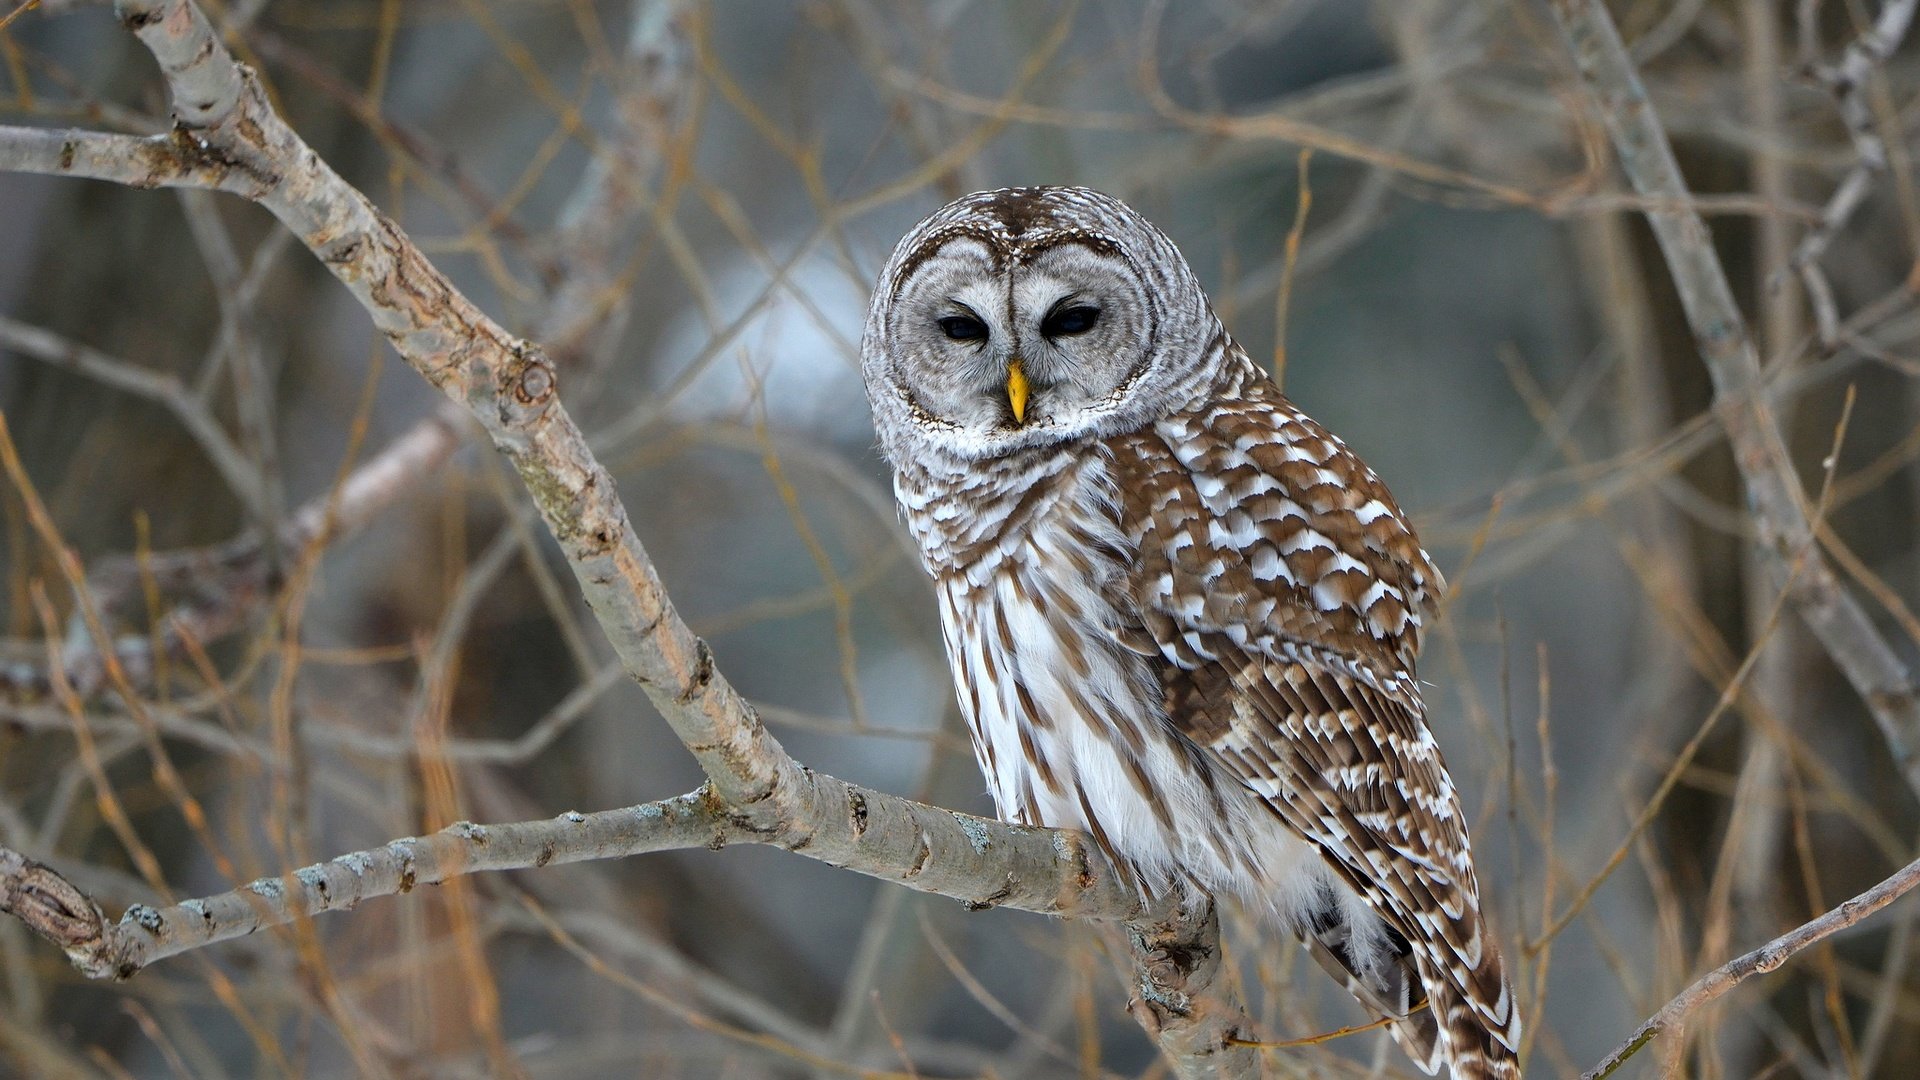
(1182, 617)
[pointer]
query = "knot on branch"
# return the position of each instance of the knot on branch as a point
(54, 908)
(1163, 981)
(137, 17)
(1176, 959)
(702, 674)
(528, 385)
(227, 137)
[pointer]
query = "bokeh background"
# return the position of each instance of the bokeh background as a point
(687, 202)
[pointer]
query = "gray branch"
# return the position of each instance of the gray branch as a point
(1785, 533)
(981, 862)
(1672, 1017)
(1848, 82)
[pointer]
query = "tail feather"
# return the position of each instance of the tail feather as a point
(1380, 969)
(1474, 1050)
(1415, 1029)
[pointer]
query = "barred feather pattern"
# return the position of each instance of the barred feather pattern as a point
(1283, 591)
(1191, 631)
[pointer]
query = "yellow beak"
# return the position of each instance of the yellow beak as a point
(1017, 391)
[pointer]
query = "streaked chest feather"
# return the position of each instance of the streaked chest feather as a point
(1067, 722)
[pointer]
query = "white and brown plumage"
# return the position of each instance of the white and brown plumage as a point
(1181, 616)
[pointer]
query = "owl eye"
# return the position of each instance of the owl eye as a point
(963, 328)
(1074, 320)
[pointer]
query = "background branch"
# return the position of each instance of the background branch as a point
(1675, 1015)
(1877, 672)
(218, 588)
(1848, 81)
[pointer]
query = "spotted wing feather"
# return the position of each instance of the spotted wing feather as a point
(1282, 591)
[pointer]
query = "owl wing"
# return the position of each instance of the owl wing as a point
(1281, 590)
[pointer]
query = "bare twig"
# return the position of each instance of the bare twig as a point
(1877, 673)
(238, 341)
(1672, 1018)
(161, 388)
(220, 587)
(1847, 80)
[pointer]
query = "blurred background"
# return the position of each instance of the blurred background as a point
(341, 623)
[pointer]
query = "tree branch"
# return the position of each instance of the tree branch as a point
(983, 863)
(1672, 1018)
(219, 587)
(1785, 535)
(1848, 82)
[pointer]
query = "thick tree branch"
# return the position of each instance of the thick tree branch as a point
(1773, 490)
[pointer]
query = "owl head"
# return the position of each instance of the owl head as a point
(1026, 316)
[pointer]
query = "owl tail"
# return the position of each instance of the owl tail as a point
(1378, 968)
(1475, 1052)
(1387, 984)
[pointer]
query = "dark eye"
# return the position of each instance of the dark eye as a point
(1074, 320)
(963, 328)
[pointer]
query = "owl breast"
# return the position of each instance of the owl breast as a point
(1067, 722)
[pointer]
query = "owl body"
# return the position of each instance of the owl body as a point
(1064, 716)
(1181, 616)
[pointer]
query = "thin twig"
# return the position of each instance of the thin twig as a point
(1847, 81)
(1673, 1017)
(160, 387)
(222, 586)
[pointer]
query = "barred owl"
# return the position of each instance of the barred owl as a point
(1181, 616)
